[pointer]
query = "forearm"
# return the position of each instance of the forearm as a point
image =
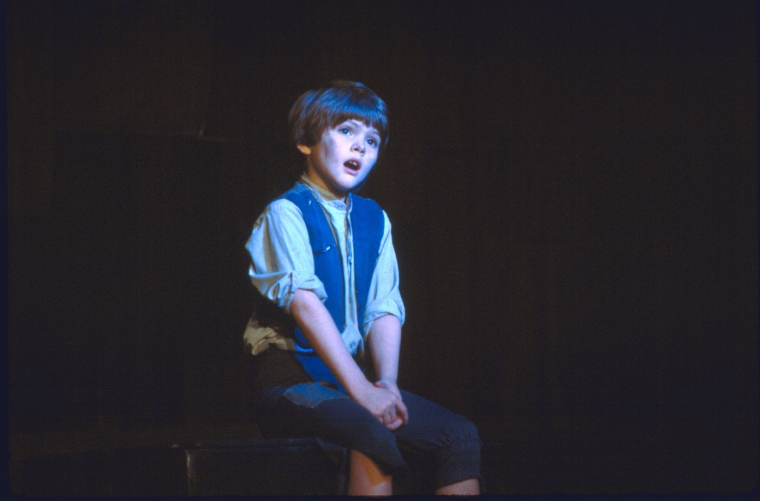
(385, 343)
(320, 330)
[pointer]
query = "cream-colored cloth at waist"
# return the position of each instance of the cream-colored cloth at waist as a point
(259, 338)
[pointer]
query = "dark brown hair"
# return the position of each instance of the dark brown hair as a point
(317, 110)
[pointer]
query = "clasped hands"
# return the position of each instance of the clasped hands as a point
(383, 400)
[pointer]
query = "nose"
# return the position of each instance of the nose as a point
(358, 146)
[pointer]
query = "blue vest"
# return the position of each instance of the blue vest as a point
(367, 224)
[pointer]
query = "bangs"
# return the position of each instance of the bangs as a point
(370, 118)
(315, 111)
(352, 107)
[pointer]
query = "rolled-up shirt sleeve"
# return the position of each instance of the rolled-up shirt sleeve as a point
(384, 296)
(281, 257)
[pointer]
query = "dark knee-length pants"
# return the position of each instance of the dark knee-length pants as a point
(448, 442)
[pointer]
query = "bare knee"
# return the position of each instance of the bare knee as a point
(366, 478)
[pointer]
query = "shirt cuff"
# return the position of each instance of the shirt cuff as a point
(377, 309)
(301, 280)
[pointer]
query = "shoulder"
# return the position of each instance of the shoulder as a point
(363, 200)
(366, 204)
(371, 205)
(280, 212)
(298, 194)
(375, 221)
(282, 207)
(281, 222)
(290, 200)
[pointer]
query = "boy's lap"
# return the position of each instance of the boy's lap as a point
(432, 426)
(316, 410)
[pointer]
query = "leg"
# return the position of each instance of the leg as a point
(333, 416)
(464, 488)
(445, 441)
(366, 478)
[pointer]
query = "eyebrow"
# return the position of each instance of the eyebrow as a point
(353, 121)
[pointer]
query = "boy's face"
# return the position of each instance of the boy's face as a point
(343, 157)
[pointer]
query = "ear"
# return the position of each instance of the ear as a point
(306, 150)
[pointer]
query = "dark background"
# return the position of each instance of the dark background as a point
(572, 187)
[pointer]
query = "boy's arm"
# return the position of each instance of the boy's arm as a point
(384, 315)
(384, 344)
(384, 297)
(281, 256)
(320, 330)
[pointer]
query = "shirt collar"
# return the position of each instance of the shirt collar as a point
(325, 196)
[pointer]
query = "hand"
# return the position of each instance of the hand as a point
(385, 404)
(393, 388)
(388, 385)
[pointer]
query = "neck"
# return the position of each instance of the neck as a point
(323, 188)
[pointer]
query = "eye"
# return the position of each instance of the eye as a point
(345, 130)
(373, 142)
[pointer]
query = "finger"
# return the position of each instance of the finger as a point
(402, 412)
(395, 425)
(390, 417)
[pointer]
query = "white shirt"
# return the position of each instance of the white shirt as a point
(282, 262)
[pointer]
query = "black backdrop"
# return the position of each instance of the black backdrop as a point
(573, 189)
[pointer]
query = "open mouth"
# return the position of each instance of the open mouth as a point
(353, 165)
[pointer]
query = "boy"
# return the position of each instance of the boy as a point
(325, 256)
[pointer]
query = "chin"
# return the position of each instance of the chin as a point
(348, 187)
